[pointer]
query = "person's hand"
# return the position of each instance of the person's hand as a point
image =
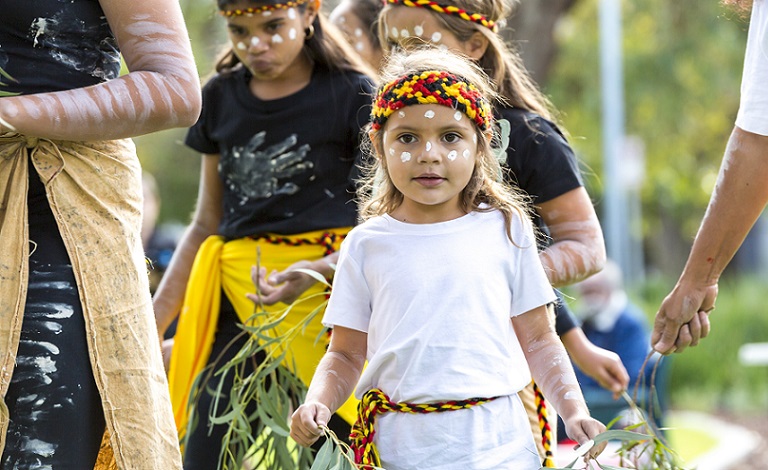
(582, 428)
(604, 366)
(683, 317)
(306, 423)
(285, 286)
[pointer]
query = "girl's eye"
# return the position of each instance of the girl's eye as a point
(452, 137)
(273, 26)
(406, 139)
(237, 30)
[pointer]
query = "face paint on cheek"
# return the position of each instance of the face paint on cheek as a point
(452, 155)
(358, 32)
(292, 34)
(277, 39)
(465, 154)
(429, 114)
(392, 152)
(405, 157)
(359, 46)
(241, 45)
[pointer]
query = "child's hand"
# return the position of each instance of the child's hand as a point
(285, 286)
(306, 423)
(582, 429)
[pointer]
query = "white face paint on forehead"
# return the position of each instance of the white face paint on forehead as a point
(457, 116)
(405, 157)
(436, 36)
(292, 13)
(429, 114)
(474, 138)
(401, 114)
(266, 13)
(418, 30)
(395, 33)
(405, 33)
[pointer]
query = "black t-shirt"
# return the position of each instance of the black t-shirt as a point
(544, 166)
(287, 165)
(54, 45)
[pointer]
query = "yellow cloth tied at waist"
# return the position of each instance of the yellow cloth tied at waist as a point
(227, 265)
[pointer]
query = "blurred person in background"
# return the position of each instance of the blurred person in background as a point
(359, 21)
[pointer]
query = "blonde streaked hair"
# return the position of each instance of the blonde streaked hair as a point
(485, 191)
(500, 62)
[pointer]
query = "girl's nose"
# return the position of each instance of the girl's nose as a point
(256, 44)
(430, 153)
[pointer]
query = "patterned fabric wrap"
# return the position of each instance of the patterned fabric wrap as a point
(431, 87)
(546, 431)
(375, 402)
(267, 6)
(448, 10)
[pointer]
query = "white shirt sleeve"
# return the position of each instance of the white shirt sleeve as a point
(753, 110)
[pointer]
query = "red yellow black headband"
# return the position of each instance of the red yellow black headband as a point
(431, 87)
(447, 10)
(262, 8)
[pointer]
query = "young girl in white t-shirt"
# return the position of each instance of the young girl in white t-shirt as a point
(425, 289)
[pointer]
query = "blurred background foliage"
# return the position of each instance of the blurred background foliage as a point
(682, 69)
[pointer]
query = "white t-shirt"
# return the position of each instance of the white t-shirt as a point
(436, 301)
(753, 110)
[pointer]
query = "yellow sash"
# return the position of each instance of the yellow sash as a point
(228, 265)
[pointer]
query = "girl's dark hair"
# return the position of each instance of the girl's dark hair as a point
(327, 48)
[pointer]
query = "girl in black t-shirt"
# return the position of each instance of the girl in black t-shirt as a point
(539, 159)
(279, 134)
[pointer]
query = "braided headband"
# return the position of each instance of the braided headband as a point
(262, 8)
(431, 87)
(447, 10)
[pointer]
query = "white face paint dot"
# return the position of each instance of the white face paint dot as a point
(436, 36)
(429, 114)
(255, 41)
(457, 115)
(241, 45)
(358, 32)
(474, 138)
(418, 29)
(292, 13)
(277, 39)
(266, 13)
(404, 33)
(392, 152)
(429, 146)
(401, 114)
(405, 156)
(395, 33)
(452, 155)
(292, 34)
(359, 46)
(465, 154)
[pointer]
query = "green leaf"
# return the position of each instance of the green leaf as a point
(323, 457)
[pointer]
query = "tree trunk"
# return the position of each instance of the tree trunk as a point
(531, 29)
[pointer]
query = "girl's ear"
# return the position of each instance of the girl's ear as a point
(488, 136)
(476, 45)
